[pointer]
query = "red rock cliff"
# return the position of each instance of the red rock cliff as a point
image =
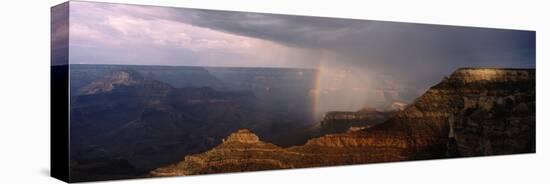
(472, 112)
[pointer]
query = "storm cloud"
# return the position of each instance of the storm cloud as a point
(389, 60)
(387, 46)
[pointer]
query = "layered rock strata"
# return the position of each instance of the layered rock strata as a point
(342, 121)
(474, 111)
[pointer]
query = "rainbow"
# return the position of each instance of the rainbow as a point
(317, 85)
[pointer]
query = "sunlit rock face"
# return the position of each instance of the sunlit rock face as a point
(243, 136)
(469, 75)
(471, 98)
(342, 121)
(472, 112)
(108, 83)
(240, 151)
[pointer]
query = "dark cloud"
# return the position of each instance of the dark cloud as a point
(297, 31)
(401, 49)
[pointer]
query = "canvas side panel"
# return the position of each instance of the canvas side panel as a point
(59, 86)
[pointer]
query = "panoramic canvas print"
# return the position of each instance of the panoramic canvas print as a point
(147, 91)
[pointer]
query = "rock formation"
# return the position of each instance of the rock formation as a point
(342, 121)
(497, 121)
(483, 111)
(240, 151)
(108, 83)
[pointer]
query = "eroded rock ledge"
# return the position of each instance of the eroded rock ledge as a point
(472, 112)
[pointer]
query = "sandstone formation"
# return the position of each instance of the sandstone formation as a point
(501, 118)
(426, 123)
(342, 121)
(472, 112)
(240, 151)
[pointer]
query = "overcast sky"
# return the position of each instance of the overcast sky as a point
(400, 53)
(130, 34)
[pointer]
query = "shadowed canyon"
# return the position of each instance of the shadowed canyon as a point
(150, 121)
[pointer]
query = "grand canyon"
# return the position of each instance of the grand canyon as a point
(473, 112)
(151, 91)
(146, 121)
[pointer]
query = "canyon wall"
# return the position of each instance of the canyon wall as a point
(473, 112)
(342, 121)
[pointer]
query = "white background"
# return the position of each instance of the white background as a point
(24, 91)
